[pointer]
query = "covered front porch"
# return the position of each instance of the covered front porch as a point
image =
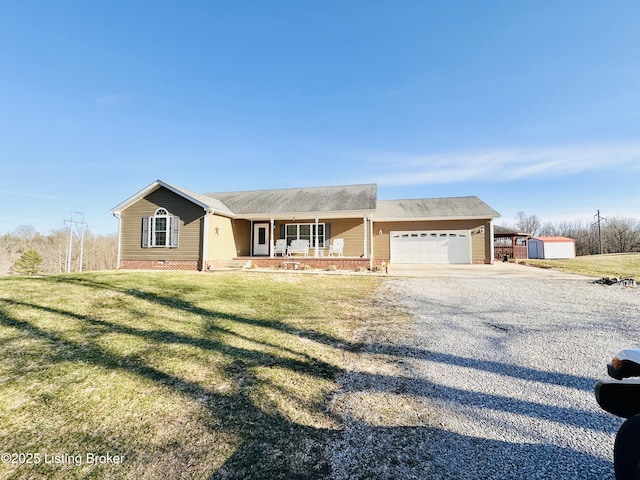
(280, 238)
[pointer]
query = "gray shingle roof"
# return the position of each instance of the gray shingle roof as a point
(506, 231)
(336, 200)
(300, 200)
(199, 199)
(434, 208)
(211, 202)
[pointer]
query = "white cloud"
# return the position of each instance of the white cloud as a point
(37, 196)
(507, 164)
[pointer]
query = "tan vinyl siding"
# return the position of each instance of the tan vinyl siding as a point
(352, 231)
(191, 219)
(480, 244)
(221, 242)
(242, 235)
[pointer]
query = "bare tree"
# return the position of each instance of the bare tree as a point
(55, 251)
(27, 234)
(621, 235)
(100, 252)
(528, 223)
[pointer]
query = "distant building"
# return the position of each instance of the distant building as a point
(552, 247)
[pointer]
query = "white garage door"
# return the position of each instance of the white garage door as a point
(431, 246)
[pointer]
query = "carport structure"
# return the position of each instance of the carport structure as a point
(510, 243)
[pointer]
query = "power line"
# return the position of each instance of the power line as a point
(73, 224)
(598, 221)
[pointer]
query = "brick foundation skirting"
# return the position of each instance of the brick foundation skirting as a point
(340, 263)
(160, 265)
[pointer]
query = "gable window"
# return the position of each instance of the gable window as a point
(305, 231)
(160, 230)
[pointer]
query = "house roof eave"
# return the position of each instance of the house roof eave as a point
(306, 215)
(432, 219)
(209, 207)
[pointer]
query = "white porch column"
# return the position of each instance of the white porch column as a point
(371, 238)
(317, 237)
(365, 236)
(271, 239)
(251, 241)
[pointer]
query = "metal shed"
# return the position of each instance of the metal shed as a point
(552, 247)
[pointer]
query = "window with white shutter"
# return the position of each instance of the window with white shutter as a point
(160, 230)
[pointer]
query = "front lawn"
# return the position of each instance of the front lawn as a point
(172, 375)
(611, 265)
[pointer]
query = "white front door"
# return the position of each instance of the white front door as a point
(261, 239)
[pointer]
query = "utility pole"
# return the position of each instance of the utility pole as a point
(72, 224)
(70, 247)
(598, 221)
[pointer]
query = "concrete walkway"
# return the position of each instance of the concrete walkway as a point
(497, 270)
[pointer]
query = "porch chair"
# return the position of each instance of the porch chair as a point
(298, 246)
(337, 247)
(281, 248)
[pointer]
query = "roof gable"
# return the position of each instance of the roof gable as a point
(207, 203)
(346, 198)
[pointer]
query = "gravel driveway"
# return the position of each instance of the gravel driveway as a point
(483, 378)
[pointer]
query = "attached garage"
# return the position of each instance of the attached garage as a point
(431, 247)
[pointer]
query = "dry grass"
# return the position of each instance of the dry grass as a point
(613, 265)
(185, 375)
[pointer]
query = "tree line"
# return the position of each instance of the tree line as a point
(611, 235)
(99, 252)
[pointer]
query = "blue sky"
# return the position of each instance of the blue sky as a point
(532, 106)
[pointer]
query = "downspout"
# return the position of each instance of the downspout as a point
(117, 215)
(205, 240)
(371, 258)
(365, 237)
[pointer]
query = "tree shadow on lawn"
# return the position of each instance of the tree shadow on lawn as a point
(272, 445)
(177, 303)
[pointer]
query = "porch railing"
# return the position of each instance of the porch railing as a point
(518, 252)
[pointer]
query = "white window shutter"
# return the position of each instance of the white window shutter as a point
(174, 225)
(145, 231)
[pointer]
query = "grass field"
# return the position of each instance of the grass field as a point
(172, 375)
(614, 265)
